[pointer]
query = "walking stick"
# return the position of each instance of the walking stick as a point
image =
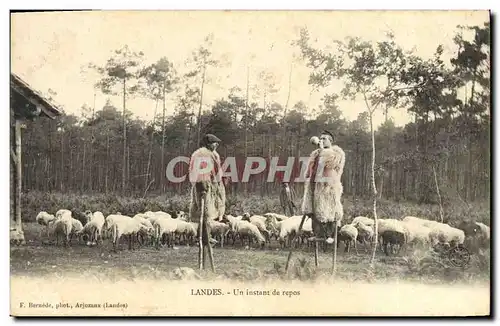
(201, 262)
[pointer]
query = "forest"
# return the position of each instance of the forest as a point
(444, 151)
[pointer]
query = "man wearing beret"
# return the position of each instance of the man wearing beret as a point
(205, 177)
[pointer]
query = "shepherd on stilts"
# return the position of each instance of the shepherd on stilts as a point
(208, 195)
(322, 193)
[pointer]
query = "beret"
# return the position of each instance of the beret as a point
(326, 132)
(210, 138)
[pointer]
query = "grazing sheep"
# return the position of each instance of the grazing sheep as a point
(365, 232)
(393, 234)
(164, 226)
(259, 222)
(447, 235)
(417, 234)
(219, 231)
(349, 235)
(62, 212)
(363, 219)
(83, 217)
(186, 230)
(289, 228)
(94, 227)
(125, 226)
(44, 218)
(62, 226)
(394, 239)
(245, 228)
(278, 217)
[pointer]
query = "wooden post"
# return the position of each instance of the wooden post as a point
(18, 183)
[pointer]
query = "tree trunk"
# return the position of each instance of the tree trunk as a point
(246, 124)
(106, 173)
(124, 161)
(148, 169)
(201, 103)
(374, 192)
(162, 176)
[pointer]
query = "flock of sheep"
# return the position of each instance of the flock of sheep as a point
(163, 229)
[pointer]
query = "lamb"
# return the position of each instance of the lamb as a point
(245, 228)
(363, 219)
(349, 235)
(44, 218)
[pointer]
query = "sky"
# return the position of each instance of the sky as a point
(49, 49)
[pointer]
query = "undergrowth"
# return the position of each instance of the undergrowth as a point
(34, 202)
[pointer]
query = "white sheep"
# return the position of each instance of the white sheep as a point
(349, 235)
(94, 227)
(245, 228)
(417, 233)
(278, 217)
(365, 232)
(186, 230)
(363, 219)
(288, 228)
(125, 226)
(62, 225)
(164, 226)
(445, 234)
(62, 212)
(43, 218)
(259, 222)
(219, 230)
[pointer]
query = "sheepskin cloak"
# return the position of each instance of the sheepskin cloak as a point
(215, 203)
(324, 171)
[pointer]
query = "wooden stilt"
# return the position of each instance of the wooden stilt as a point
(334, 264)
(299, 231)
(209, 247)
(316, 253)
(201, 252)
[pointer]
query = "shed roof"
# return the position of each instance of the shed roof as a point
(21, 87)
